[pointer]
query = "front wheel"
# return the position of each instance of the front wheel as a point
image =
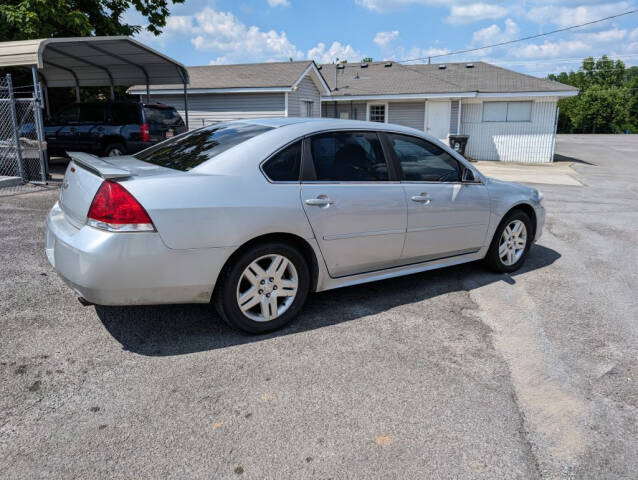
(264, 288)
(511, 243)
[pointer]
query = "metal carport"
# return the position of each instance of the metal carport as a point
(94, 61)
(70, 62)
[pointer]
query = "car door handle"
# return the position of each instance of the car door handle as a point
(423, 198)
(320, 201)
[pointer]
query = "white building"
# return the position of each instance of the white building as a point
(508, 116)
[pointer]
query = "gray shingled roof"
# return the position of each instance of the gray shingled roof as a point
(249, 75)
(377, 79)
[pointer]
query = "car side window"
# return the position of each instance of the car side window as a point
(422, 161)
(348, 157)
(68, 115)
(284, 166)
(92, 113)
(124, 114)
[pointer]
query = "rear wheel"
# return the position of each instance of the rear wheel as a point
(114, 150)
(264, 288)
(511, 243)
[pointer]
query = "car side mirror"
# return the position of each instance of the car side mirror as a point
(468, 176)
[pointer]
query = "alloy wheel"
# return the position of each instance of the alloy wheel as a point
(267, 288)
(513, 242)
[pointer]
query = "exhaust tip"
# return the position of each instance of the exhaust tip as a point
(85, 302)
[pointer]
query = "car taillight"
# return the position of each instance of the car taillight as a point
(145, 133)
(114, 209)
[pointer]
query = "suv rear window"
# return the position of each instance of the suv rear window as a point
(124, 114)
(162, 116)
(191, 149)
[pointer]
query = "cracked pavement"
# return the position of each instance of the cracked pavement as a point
(455, 373)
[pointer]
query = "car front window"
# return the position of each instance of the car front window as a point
(191, 149)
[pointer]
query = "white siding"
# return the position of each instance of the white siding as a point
(409, 114)
(454, 116)
(528, 142)
(355, 110)
(204, 109)
(306, 92)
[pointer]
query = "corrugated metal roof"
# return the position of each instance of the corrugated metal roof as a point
(92, 60)
(379, 79)
(250, 75)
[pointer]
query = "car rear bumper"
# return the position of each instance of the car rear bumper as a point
(137, 268)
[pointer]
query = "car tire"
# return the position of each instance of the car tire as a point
(508, 250)
(114, 150)
(258, 274)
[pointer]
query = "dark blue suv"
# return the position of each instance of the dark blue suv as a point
(111, 128)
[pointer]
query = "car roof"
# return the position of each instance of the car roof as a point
(320, 123)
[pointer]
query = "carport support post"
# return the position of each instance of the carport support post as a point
(148, 93)
(14, 121)
(186, 104)
(39, 124)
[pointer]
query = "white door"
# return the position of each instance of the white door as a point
(437, 122)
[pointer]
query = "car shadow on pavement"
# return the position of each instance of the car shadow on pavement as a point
(165, 330)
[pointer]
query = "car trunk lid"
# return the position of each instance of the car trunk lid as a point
(85, 173)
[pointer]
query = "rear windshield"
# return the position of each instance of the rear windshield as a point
(162, 116)
(191, 149)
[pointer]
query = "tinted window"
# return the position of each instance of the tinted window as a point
(284, 166)
(125, 114)
(348, 157)
(423, 161)
(162, 116)
(69, 114)
(190, 149)
(92, 113)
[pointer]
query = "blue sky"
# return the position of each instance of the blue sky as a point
(201, 32)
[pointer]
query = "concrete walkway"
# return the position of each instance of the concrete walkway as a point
(558, 173)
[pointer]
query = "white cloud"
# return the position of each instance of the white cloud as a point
(494, 33)
(320, 54)
(475, 12)
(383, 39)
(279, 3)
(383, 6)
(222, 32)
(565, 16)
(633, 36)
(604, 36)
(552, 49)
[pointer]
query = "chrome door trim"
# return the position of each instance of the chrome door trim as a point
(363, 234)
(442, 227)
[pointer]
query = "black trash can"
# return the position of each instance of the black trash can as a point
(458, 143)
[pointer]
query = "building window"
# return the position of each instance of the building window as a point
(507, 111)
(377, 113)
(306, 109)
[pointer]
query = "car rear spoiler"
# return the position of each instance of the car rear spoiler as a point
(98, 166)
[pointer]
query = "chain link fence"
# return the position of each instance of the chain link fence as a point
(22, 146)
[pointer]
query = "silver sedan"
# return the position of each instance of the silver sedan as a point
(253, 215)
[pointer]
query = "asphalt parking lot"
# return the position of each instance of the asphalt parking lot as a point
(457, 373)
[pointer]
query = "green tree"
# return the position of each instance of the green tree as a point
(601, 109)
(29, 19)
(605, 101)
